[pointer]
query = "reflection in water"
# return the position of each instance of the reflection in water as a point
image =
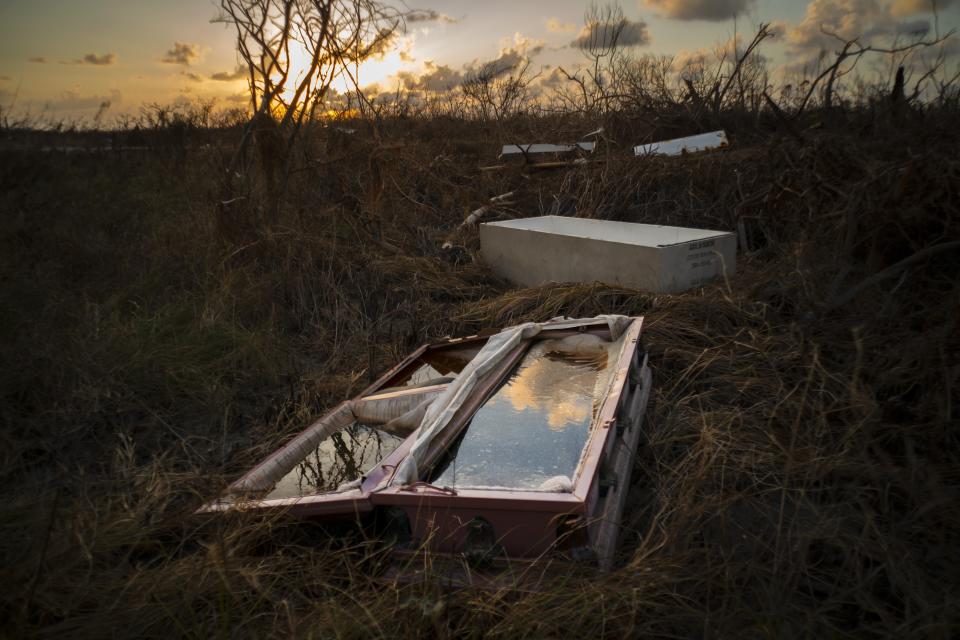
(534, 427)
(562, 393)
(343, 457)
(442, 364)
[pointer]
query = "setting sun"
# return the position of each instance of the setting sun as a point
(377, 71)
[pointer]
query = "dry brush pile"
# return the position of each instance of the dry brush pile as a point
(799, 474)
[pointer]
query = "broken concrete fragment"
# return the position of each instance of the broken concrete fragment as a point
(532, 149)
(679, 146)
(477, 214)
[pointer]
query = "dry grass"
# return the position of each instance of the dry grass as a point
(799, 474)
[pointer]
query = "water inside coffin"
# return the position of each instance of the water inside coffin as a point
(533, 428)
(342, 457)
(440, 365)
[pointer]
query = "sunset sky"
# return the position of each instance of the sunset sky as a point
(69, 56)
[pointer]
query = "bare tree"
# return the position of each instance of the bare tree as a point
(604, 26)
(293, 51)
(497, 91)
(846, 61)
(644, 83)
(748, 72)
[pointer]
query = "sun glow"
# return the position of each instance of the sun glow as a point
(377, 70)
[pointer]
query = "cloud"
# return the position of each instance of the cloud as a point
(101, 60)
(554, 79)
(238, 98)
(778, 28)
(193, 77)
(239, 73)
(950, 48)
(384, 43)
(555, 26)
(623, 32)
(434, 78)
(711, 10)
(510, 59)
(404, 49)
(846, 18)
(429, 15)
(687, 62)
(916, 28)
(440, 77)
(181, 53)
(870, 22)
(901, 8)
(74, 101)
(866, 20)
(37, 60)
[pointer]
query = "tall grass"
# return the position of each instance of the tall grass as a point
(798, 475)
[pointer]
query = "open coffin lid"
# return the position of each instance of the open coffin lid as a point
(332, 466)
(511, 428)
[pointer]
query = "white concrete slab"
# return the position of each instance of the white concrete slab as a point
(536, 251)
